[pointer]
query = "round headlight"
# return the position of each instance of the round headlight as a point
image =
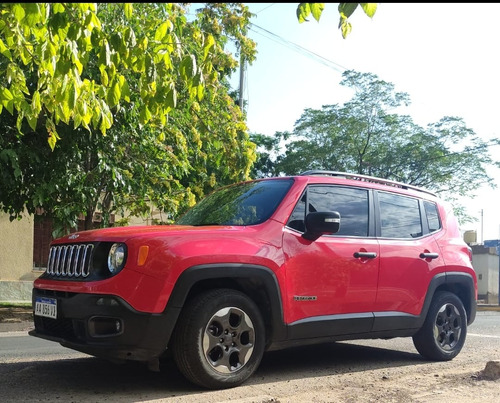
(116, 257)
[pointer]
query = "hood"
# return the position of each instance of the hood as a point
(123, 234)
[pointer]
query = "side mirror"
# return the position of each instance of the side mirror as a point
(321, 223)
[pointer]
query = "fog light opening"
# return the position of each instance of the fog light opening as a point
(105, 327)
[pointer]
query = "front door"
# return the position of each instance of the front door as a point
(334, 276)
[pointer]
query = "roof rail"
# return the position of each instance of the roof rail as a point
(366, 178)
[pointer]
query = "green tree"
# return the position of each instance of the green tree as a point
(146, 157)
(366, 136)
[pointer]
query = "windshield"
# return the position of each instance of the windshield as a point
(243, 204)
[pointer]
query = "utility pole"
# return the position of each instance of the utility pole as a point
(482, 236)
(242, 81)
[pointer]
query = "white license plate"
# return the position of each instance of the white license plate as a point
(46, 307)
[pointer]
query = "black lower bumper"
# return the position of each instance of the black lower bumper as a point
(104, 326)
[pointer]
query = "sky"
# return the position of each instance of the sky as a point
(445, 56)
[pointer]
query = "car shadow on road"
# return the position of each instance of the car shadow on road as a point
(332, 358)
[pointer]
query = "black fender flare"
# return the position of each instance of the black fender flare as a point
(261, 275)
(449, 281)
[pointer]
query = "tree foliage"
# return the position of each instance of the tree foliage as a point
(367, 136)
(59, 42)
(345, 11)
(174, 132)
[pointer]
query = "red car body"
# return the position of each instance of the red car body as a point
(329, 287)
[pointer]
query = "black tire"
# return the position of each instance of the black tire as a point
(443, 333)
(219, 340)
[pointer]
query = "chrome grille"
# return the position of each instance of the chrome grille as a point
(70, 260)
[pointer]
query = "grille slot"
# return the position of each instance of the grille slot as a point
(70, 260)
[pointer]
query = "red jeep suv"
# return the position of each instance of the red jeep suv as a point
(263, 265)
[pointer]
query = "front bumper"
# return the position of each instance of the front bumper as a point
(104, 326)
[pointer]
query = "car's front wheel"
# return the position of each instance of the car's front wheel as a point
(443, 333)
(219, 340)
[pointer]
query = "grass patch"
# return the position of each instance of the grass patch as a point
(16, 305)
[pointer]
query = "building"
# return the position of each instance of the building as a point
(486, 262)
(16, 259)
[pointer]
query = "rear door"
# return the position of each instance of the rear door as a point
(409, 253)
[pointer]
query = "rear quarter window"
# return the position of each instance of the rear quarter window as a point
(432, 213)
(399, 216)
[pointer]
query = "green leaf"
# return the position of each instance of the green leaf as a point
(18, 11)
(58, 8)
(200, 91)
(19, 122)
(125, 89)
(32, 121)
(369, 8)
(317, 9)
(116, 42)
(188, 67)
(129, 37)
(4, 50)
(303, 11)
(77, 120)
(346, 28)
(33, 15)
(106, 122)
(5, 94)
(114, 94)
(63, 112)
(52, 141)
(52, 132)
(171, 99)
(128, 9)
(36, 105)
(104, 55)
(7, 99)
(145, 115)
(162, 30)
(346, 9)
(72, 95)
(104, 76)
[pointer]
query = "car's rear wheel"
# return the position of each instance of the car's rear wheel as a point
(443, 333)
(219, 340)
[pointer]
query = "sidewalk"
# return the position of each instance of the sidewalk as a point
(15, 319)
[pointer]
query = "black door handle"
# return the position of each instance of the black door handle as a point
(429, 255)
(365, 255)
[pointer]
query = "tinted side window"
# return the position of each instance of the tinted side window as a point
(399, 216)
(351, 203)
(432, 216)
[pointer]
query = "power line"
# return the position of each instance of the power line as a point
(265, 8)
(300, 49)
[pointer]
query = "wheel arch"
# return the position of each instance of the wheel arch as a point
(258, 282)
(459, 283)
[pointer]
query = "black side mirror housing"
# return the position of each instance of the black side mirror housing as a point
(321, 223)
